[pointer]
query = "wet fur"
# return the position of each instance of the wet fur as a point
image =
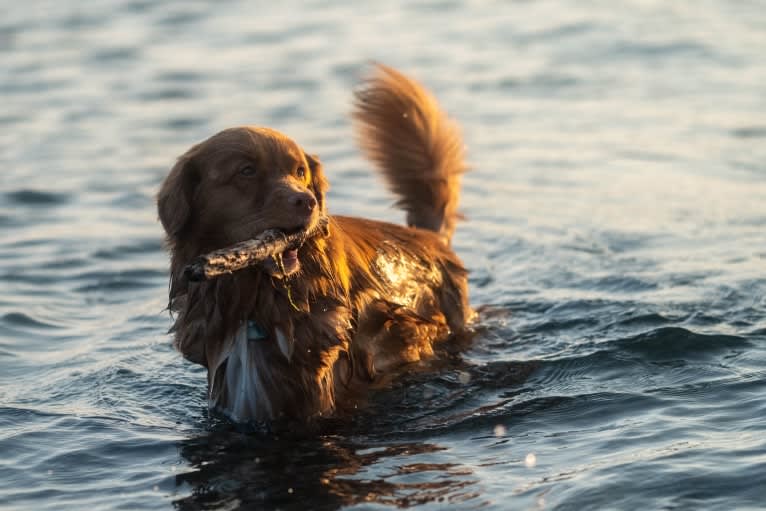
(369, 296)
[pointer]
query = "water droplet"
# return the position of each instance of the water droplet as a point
(405, 115)
(499, 430)
(463, 377)
(290, 491)
(50, 472)
(531, 460)
(155, 488)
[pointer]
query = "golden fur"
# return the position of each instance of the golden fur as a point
(355, 303)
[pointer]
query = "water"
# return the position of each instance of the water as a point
(615, 241)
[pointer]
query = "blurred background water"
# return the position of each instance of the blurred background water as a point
(615, 237)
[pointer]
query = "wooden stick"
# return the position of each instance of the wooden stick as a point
(248, 253)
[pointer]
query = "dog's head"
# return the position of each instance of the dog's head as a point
(237, 184)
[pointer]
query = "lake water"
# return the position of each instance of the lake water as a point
(616, 238)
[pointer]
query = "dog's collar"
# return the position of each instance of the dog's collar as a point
(255, 332)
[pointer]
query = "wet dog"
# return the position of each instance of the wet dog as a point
(294, 337)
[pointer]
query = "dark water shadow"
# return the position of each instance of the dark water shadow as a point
(246, 471)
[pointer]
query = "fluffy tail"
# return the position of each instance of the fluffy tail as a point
(416, 147)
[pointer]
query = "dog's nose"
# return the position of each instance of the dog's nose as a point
(303, 203)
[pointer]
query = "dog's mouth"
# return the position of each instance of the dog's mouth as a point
(286, 263)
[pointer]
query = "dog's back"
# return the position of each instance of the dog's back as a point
(417, 148)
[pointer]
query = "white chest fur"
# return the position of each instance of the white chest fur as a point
(239, 379)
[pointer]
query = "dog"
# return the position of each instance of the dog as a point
(297, 336)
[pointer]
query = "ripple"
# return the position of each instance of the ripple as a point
(553, 325)
(181, 17)
(115, 284)
(127, 251)
(674, 342)
(617, 284)
(184, 123)
(36, 198)
(8, 36)
(81, 20)
(19, 319)
(663, 50)
(115, 54)
(139, 6)
(747, 132)
(134, 274)
(182, 75)
(544, 84)
(168, 93)
(651, 319)
(27, 87)
(101, 282)
(558, 33)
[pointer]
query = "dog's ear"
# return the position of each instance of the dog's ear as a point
(175, 197)
(319, 184)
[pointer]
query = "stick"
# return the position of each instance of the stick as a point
(248, 253)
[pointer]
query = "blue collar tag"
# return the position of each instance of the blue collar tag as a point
(255, 332)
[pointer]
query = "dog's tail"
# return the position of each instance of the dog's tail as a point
(417, 148)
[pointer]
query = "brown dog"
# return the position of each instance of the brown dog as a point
(296, 336)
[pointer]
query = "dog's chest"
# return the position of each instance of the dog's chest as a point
(264, 372)
(238, 379)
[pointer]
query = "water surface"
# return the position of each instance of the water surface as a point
(615, 237)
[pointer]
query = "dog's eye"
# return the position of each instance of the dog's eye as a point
(247, 170)
(301, 172)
